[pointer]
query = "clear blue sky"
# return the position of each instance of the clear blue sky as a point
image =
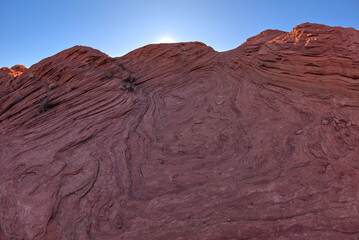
(33, 30)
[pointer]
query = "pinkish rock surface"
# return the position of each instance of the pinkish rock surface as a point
(260, 142)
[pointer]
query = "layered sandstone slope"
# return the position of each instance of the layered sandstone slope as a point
(260, 142)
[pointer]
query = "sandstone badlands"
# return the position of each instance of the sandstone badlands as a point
(259, 142)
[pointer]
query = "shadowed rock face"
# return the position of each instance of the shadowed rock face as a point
(260, 142)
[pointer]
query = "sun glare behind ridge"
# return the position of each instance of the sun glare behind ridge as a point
(166, 40)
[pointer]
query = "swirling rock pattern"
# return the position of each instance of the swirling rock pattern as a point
(260, 142)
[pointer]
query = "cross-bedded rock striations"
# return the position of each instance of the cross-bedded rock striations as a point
(260, 142)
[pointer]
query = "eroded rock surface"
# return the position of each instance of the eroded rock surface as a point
(260, 142)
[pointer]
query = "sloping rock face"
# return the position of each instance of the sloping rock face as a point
(260, 142)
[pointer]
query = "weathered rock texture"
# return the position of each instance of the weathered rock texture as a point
(7, 74)
(260, 142)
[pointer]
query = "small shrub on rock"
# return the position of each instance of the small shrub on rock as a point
(44, 104)
(69, 89)
(108, 74)
(129, 86)
(53, 85)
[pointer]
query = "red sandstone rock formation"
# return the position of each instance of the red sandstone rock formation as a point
(260, 142)
(8, 74)
(14, 71)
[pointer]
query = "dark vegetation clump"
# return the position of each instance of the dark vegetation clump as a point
(128, 83)
(45, 104)
(108, 74)
(129, 86)
(70, 89)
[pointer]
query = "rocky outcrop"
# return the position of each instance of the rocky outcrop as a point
(7, 77)
(312, 55)
(7, 74)
(14, 71)
(260, 142)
